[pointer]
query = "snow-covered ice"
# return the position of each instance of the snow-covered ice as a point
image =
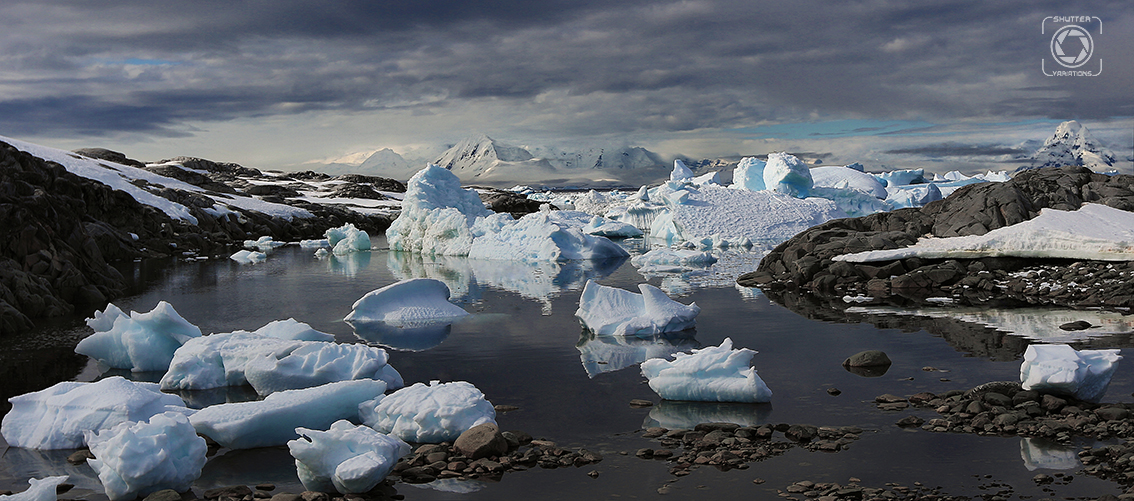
(610, 228)
(901, 177)
(749, 174)
(264, 244)
(57, 417)
(433, 413)
(41, 489)
(407, 302)
(1059, 368)
(347, 239)
(610, 311)
(917, 195)
(138, 342)
(273, 420)
(1093, 232)
(292, 329)
(784, 173)
(664, 259)
(846, 178)
(134, 459)
(680, 172)
(853, 203)
(219, 360)
(346, 458)
(711, 374)
(248, 256)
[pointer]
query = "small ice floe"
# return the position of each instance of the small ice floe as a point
(1060, 369)
(346, 458)
(138, 458)
(712, 374)
(321, 253)
(610, 311)
(433, 413)
(314, 243)
(57, 417)
(263, 244)
(610, 228)
(42, 489)
(273, 420)
(248, 257)
(409, 301)
(138, 342)
(857, 299)
(666, 260)
(347, 239)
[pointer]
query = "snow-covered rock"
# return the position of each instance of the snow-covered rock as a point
(680, 172)
(610, 311)
(273, 420)
(134, 459)
(664, 259)
(292, 329)
(749, 174)
(346, 239)
(57, 417)
(432, 413)
(248, 257)
(410, 301)
(346, 458)
(1059, 368)
(851, 179)
(42, 489)
(787, 174)
(138, 342)
(712, 374)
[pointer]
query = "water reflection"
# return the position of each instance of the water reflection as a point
(1047, 454)
(873, 371)
(1038, 324)
(601, 354)
(676, 415)
(452, 485)
(199, 399)
(348, 264)
(412, 337)
(19, 464)
(272, 465)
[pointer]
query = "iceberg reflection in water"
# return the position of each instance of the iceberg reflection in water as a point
(348, 264)
(601, 354)
(675, 415)
(1047, 454)
(411, 337)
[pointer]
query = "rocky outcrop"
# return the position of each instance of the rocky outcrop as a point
(805, 261)
(507, 201)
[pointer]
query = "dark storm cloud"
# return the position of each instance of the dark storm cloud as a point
(607, 66)
(959, 150)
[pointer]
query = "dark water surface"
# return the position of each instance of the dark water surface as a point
(523, 346)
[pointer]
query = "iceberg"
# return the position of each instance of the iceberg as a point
(610, 228)
(539, 236)
(749, 175)
(55, 418)
(292, 329)
(664, 259)
(610, 311)
(680, 172)
(787, 174)
(433, 413)
(1060, 369)
(134, 459)
(273, 420)
(854, 203)
(901, 177)
(42, 489)
(410, 301)
(712, 374)
(248, 257)
(219, 360)
(347, 239)
(846, 178)
(346, 458)
(900, 197)
(139, 342)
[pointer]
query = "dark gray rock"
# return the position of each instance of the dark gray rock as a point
(1077, 325)
(868, 358)
(484, 440)
(164, 495)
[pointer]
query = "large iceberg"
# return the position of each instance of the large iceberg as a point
(712, 374)
(749, 174)
(42, 489)
(55, 418)
(138, 458)
(346, 458)
(273, 420)
(432, 413)
(1059, 368)
(409, 301)
(787, 174)
(610, 311)
(139, 342)
(847, 178)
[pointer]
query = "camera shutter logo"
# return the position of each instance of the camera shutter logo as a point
(1072, 46)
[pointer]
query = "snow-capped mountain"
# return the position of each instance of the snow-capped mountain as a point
(483, 158)
(1073, 144)
(387, 162)
(631, 157)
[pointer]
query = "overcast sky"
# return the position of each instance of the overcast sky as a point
(275, 83)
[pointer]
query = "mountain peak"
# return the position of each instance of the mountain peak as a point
(1073, 144)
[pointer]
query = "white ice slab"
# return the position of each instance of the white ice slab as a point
(610, 311)
(410, 301)
(346, 458)
(432, 413)
(138, 342)
(712, 374)
(847, 178)
(134, 459)
(42, 489)
(1059, 368)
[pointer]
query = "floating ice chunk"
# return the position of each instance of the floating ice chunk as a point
(273, 420)
(248, 257)
(1059, 368)
(918, 195)
(610, 228)
(409, 301)
(321, 253)
(263, 244)
(540, 236)
(219, 360)
(315, 243)
(664, 259)
(610, 311)
(787, 174)
(843, 177)
(42, 489)
(138, 458)
(55, 418)
(712, 374)
(346, 458)
(139, 342)
(292, 329)
(680, 172)
(317, 363)
(347, 239)
(901, 177)
(641, 215)
(437, 412)
(749, 174)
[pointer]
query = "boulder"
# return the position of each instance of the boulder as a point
(484, 440)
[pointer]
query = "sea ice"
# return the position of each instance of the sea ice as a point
(610, 311)
(540, 236)
(901, 177)
(292, 329)
(749, 174)
(346, 458)
(263, 244)
(42, 489)
(409, 301)
(139, 342)
(851, 179)
(433, 413)
(712, 374)
(680, 172)
(787, 174)
(852, 202)
(248, 257)
(347, 239)
(610, 228)
(55, 418)
(273, 420)
(134, 459)
(917, 195)
(707, 178)
(1059, 368)
(664, 259)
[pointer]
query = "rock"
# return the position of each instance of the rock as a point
(910, 421)
(868, 358)
(834, 392)
(505, 408)
(164, 495)
(481, 441)
(286, 496)
(1077, 325)
(234, 491)
(80, 456)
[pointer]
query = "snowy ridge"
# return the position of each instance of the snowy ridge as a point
(1073, 144)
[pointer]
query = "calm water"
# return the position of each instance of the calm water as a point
(523, 346)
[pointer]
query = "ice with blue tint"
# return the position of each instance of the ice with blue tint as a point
(57, 417)
(294, 330)
(1061, 369)
(917, 195)
(667, 260)
(707, 178)
(346, 458)
(539, 236)
(711, 374)
(787, 174)
(273, 420)
(901, 177)
(680, 172)
(42, 489)
(219, 359)
(138, 342)
(846, 178)
(347, 239)
(407, 302)
(433, 413)
(749, 174)
(248, 257)
(600, 354)
(610, 311)
(134, 459)
(854, 203)
(610, 228)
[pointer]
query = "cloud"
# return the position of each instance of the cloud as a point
(960, 150)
